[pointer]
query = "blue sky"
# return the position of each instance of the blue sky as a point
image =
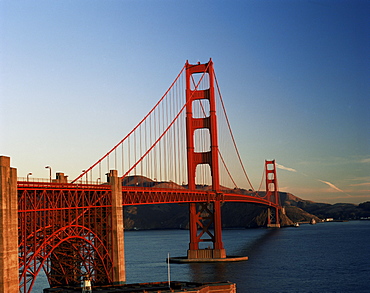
(77, 76)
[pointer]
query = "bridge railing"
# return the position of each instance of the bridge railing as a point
(47, 180)
(33, 179)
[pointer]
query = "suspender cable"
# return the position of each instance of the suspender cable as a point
(160, 137)
(146, 116)
(232, 135)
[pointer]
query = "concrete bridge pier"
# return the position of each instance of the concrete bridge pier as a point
(118, 253)
(61, 178)
(9, 269)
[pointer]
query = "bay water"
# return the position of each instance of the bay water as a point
(326, 257)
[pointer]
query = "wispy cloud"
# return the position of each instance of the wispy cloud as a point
(285, 168)
(364, 178)
(333, 186)
(359, 197)
(361, 184)
(365, 160)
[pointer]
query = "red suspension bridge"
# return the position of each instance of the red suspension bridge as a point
(70, 229)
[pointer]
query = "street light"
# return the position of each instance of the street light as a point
(28, 175)
(83, 171)
(48, 167)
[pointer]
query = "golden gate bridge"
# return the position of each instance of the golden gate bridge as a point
(70, 229)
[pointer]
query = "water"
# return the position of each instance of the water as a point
(327, 257)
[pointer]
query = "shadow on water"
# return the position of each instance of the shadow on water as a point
(256, 244)
(226, 271)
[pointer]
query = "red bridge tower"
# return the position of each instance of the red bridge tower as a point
(203, 215)
(272, 194)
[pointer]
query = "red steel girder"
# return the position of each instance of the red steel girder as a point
(69, 216)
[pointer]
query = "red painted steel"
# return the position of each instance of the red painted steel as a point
(136, 195)
(58, 221)
(202, 218)
(65, 229)
(272, 192)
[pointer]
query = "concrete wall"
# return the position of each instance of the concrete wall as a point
(118, 253)
(9, 269)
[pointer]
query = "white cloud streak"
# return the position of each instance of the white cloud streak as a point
(285, 168)
(331, 185)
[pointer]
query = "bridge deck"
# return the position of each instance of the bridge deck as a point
(147, 195)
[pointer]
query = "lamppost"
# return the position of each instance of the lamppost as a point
(28, 175)
(48, 167)
(83, 171)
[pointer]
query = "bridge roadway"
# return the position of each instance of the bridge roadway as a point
(146, 195)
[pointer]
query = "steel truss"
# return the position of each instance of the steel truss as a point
(66, 231)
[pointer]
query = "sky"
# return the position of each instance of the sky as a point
(77, 76)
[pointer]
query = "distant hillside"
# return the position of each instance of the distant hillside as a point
(234, 215)
(338, 211)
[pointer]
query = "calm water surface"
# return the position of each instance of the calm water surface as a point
(327, 257)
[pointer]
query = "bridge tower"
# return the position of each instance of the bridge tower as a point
(203, 215)
(272, 194)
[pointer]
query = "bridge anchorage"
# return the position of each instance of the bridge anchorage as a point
(73, 229)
